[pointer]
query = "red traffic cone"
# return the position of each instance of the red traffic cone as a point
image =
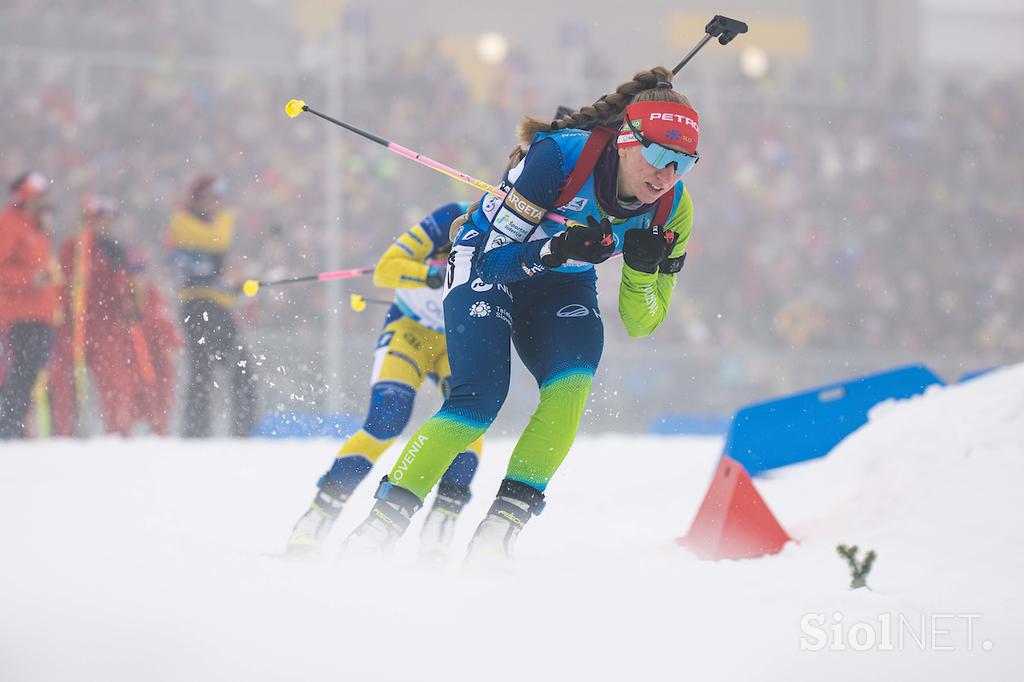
(733, 521)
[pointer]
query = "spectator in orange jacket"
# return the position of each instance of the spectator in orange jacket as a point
(107, 331)
(29, 284)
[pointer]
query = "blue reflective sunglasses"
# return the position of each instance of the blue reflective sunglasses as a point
(659, 156)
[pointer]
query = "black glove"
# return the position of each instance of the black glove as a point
(590, 243)
(644, 250)
(435, 276)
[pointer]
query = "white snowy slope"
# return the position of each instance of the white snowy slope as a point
(151, 560)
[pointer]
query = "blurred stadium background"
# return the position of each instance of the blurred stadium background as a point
(858, 205)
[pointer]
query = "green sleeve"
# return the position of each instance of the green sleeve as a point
(644, 298)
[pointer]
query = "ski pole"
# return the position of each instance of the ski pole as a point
(297, 106)
(723, 28)
(41, 396)
(251, 286)
(358, 302)
(80, 277)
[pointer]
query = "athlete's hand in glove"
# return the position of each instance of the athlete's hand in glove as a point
(435, 276)
(590, 243)
(643, 250)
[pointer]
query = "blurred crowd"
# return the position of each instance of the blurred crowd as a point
(871, 221)
(88, 23)
(879, 224)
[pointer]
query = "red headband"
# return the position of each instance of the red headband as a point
(667, 123)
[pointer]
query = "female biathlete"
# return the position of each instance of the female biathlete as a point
(410, 349)
(614, 170)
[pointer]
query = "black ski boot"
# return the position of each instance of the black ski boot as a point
(375, 537)
(496, 535)
(439, 527)
(313, 527)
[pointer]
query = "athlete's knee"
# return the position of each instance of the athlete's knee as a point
(567, 386)
(479, 400)
(461, 471)
(390, 409)
(362, 443)
(345, 474)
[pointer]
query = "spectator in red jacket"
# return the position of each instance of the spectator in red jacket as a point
(29, 284)
(156, 399)
(109, 332)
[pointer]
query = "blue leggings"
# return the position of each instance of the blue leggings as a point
(554, 322)
(552, 319)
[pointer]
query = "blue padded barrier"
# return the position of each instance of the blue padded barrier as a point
(974, 375)
(807, 425)
(305, 425)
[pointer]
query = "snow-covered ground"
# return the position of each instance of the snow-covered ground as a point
(152, 560)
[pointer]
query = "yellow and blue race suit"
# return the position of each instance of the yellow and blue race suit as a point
(410, 349)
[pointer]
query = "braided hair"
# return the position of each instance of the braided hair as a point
(607, 111)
